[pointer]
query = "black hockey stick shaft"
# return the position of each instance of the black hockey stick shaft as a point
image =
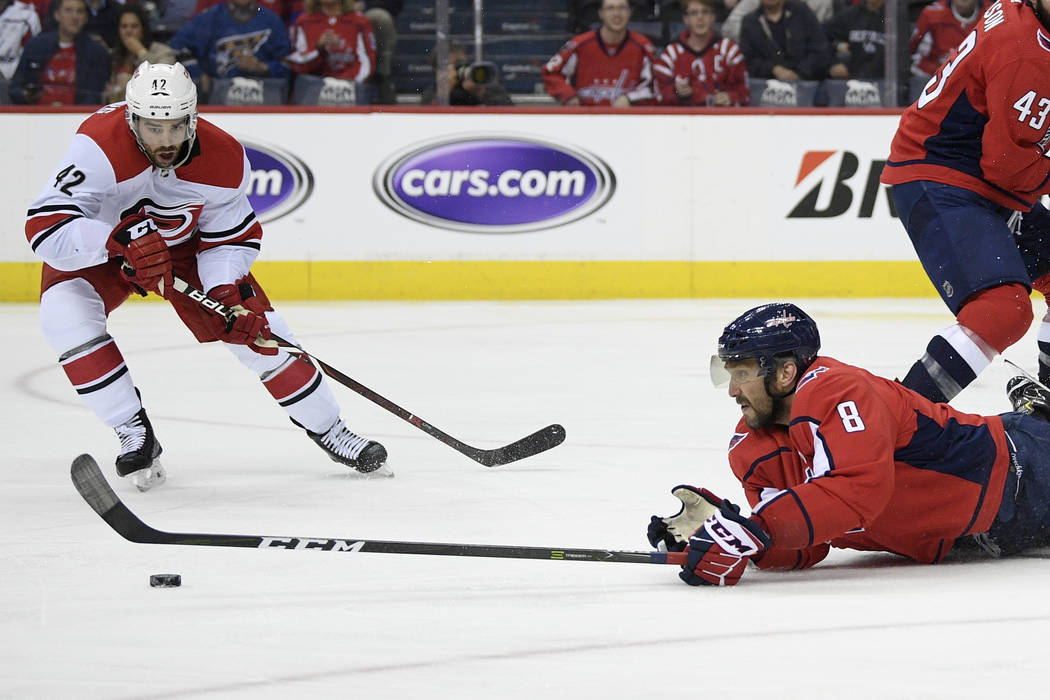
(540, 441)
(93, 487)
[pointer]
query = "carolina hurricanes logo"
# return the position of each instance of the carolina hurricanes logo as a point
(176, 222)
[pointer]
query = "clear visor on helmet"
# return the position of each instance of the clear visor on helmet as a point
(737, 371)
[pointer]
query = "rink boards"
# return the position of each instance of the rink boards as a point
(540, 204)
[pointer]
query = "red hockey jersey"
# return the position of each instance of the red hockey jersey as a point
(938, 31)
(353, 59)
(981, 122)
(719, 67)
(867, 464)
(597, 74)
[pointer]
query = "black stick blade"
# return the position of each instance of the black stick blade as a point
(93, 487)
(540, 441)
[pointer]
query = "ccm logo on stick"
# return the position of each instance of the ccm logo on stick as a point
(307, 543)
(494, 184)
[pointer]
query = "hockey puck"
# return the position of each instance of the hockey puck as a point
(165, 580)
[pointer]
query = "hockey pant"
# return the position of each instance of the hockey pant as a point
(73, 319)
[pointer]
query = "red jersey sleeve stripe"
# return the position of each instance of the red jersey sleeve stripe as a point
(36, 236)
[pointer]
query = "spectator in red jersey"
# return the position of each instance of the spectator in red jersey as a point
(830, 455)
(783, 39)
(941, 26)
(64, 66)
(19, 22)
(333, 40)
(135, 44)
(611, 65)
(701, 67)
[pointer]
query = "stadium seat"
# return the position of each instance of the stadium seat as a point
(249, 91)
(856, 93)
(777, 93)
(329, 92)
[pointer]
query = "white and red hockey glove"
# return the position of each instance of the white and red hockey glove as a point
(719, 550)
(671, 534)
(249, 327)
(147, 261)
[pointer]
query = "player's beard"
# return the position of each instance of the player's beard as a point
(762, 413)
(176, 154)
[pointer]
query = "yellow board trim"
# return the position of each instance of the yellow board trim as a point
(537, 279)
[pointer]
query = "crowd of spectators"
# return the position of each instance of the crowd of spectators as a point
(725, 46)
(84, 51)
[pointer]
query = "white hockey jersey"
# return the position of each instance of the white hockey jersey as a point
(105, 177)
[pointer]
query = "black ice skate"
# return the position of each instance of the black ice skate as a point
(139, 451)
(356, 452)
(1028, 397)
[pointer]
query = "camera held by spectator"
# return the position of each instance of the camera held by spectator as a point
(479, 73)
(471, 83)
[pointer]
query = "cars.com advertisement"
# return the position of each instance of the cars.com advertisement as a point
(494, 183)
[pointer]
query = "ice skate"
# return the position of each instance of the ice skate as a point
(343, 446)
(139, 451)
(1028, 397)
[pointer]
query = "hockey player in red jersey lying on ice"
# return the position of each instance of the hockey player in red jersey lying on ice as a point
(830, 455)
(147, 191)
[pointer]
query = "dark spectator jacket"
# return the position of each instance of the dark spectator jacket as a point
(864, 31)
(807, 50)
(495, 96)
(92, 68)
(102, 21)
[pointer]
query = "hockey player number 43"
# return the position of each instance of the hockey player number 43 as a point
(851, 419)
(1024, 106)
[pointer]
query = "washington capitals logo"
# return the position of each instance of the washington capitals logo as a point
(784, 319)
(735, 440)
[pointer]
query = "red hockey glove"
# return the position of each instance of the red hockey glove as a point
(718, 551)
(672, 533)
(147, 261)
(249, 327)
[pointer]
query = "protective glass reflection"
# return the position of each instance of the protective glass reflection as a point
(740, 372)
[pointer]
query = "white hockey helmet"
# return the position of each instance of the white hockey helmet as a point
(161, 91)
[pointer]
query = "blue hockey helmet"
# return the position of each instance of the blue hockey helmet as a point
(764, 333)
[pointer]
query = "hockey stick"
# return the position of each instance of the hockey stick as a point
(540, 441)
(1027, 374)
(88, 479)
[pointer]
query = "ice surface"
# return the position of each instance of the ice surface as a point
(628, 380)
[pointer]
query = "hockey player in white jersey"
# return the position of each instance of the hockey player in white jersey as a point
(146, 192)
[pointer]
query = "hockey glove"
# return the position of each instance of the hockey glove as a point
(147, 261)
(672, 533)
(719, 550)
(249, 327)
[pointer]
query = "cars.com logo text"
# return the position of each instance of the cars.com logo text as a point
(494, 184)
(279, 182)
